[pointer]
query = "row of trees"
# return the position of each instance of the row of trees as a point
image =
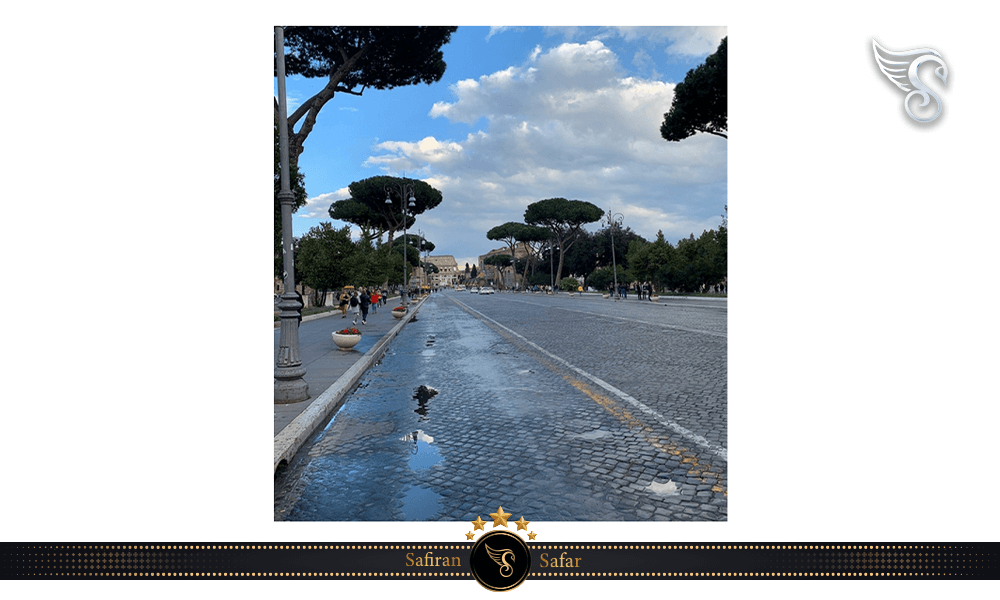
(555, 230)
(555, 224)
(326, 259)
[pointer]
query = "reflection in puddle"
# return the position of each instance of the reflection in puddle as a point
(420, 504)
(422, 454)
(422, 395)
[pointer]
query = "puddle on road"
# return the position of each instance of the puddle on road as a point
(420, 504)
(422, 454)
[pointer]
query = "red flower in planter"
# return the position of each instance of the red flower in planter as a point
(350, 331)
(400, 308)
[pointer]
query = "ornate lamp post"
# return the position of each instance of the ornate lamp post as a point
(289, 386)
(404, 190)
(614, 220)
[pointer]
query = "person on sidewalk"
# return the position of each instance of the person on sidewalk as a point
(365, 301)
(343, 301)
(355, 307)
(375, 300)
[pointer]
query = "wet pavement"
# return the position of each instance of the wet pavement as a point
(569, 408)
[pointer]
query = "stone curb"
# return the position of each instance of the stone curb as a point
(291, 438)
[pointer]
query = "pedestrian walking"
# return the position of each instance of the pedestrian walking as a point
(364, 302)
(355, 307)
(343, 301)
(376, 298)
(649, 291)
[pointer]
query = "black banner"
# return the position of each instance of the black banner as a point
(794, 560)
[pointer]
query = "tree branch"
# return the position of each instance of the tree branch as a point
(311, 107)
(713, 132)
(349, 91)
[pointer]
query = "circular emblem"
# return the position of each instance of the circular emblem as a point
(500, 561)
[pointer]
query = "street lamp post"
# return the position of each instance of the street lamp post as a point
(422, 254)
(404, 190)
(552, 266)
(289, 385)
(614, 220)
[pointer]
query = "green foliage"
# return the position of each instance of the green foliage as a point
(601, 279)
(569, 284)
(368, 266)
(512, 234)
(413, 247)
(692, 265)
(699, 102)
(500, 261)
(560, 215)
(473, 274)
(376, 57)
(367, 208)
(564, 219)
(323, 257)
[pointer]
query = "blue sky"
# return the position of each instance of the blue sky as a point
(523, 114)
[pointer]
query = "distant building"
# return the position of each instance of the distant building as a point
(508, 278)
(447, 274)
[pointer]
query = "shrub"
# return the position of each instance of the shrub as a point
(568, 284)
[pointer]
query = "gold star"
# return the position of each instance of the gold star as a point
(522, 524)
(469, 535)
(478, 524)
(499, 517)
(532, 535)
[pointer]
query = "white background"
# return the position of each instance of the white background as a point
(862, 321)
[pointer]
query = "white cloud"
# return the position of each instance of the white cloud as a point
(318, 207)
(568, 124)
(498, 30)
(682, 41)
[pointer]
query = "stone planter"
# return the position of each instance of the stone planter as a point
(399, 314)
(345, 341)
(654, 298)
(606, 296)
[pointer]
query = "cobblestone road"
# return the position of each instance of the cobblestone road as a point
(560, 408)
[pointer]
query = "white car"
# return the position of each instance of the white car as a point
(473, 290)
(486, 290)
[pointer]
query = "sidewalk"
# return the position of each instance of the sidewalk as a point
(331, 373)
